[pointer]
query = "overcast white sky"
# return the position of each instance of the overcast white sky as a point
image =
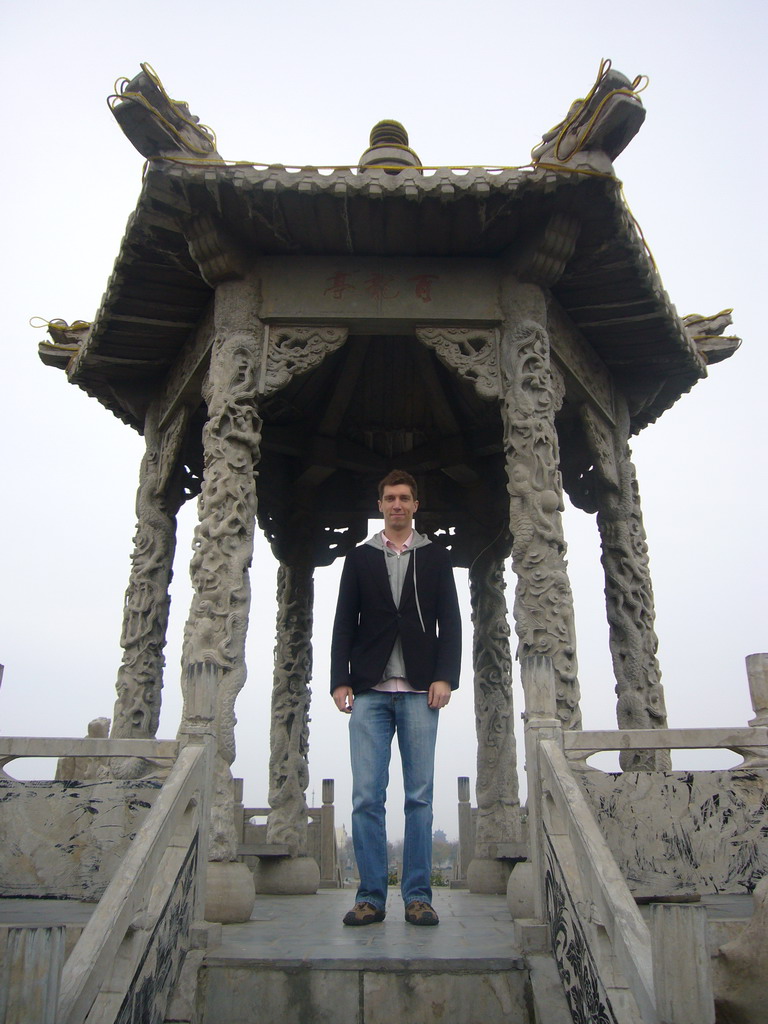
(303, 83)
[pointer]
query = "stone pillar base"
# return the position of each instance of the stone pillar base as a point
(230, 895)
(286, 876)
(520, 891)
(488, 875)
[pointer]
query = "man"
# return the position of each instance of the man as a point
(395, 658)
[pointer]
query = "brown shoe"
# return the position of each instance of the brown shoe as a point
(420, 912)
(364, 913)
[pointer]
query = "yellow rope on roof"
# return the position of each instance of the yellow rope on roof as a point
(639, 84)
(58, 324)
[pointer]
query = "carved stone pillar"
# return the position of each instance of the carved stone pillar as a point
(628, 597)
(223, 542)
(289, 734)
(145, 611)
(498, 804)
(289, 737)
(532, 392)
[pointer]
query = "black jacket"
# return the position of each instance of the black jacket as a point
(368, 621)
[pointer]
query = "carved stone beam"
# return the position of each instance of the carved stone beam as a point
(223, 543)
(498, 804)
(628, 589)
(544, 259)
(183, 385)
(289, 733)
(145, 611)
(532, 393)
(219, 257)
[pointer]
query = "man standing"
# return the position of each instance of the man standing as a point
(395, 659)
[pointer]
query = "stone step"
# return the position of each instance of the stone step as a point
(373, 992)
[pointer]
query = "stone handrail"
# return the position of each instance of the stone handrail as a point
(13, 747)
(603, 886)
(594, 740)
(580, 894)
(174, 825)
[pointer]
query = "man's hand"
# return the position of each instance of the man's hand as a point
(439, 694)
(344, 698)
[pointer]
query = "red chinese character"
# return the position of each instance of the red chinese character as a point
(423, 288)
(378, 286)
(339, 283)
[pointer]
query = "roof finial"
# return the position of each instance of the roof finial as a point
(388, 149)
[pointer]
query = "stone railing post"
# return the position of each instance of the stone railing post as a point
(541, 722)
(328, 836)
(31, 975)
(466, 834)
(757, 674)
(682, 977)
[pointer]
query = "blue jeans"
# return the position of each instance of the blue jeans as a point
(376, 717)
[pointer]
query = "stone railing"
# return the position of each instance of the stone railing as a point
(321, 835)
(614, 967)
(128, 957)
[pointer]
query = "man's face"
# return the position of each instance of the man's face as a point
(398, 506)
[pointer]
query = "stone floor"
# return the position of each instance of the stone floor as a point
(472, 928)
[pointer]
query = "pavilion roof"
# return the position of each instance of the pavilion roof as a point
(610, 287)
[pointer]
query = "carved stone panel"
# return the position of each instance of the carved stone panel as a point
(290, 351)
(156, 975)
(472, 352)
(66, 840)
(674, 831)
(584, 988)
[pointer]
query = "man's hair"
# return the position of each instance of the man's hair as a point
(398, 476)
